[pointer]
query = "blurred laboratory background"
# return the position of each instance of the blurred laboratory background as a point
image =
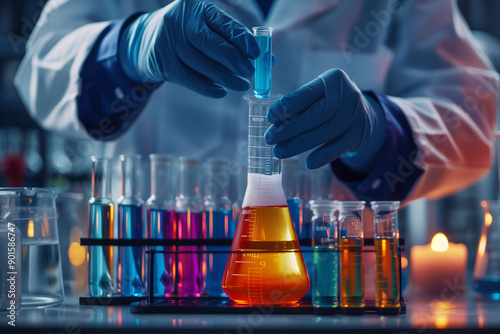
(30, 156)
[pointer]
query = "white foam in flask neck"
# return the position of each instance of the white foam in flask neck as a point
(264, 190)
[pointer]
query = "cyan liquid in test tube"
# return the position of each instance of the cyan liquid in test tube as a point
(326, 257)
(102, 279)
(262, 77)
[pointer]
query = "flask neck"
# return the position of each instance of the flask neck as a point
(161, 178)
(261, 159)
(101, 181)
(264, 190)
(131, 173)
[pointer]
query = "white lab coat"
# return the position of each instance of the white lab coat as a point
(424, 58)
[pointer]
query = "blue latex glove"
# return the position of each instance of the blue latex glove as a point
(332, 113)
(192, 43)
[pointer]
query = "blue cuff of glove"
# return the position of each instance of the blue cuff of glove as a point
(364, 157)
(109, 101)
(394, 173)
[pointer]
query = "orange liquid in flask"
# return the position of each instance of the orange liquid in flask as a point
(268, 267)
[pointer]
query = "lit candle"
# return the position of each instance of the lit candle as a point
(439, 267)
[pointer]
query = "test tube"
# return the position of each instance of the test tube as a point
(351, 257)
(262, 77)
(325, 247)
(190, 262)
(387, 256)
(131, 226)
(219, 220)
(102, 279)
(161, 221)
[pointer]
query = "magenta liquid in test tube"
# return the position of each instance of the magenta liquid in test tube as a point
(189, 219)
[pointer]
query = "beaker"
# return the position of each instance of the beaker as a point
(10, 255)
(351, 241)
(486, 276)
(189, 218)
(161, 221)
(387, 256)
(102, 277)
(130, 226)
(263, 64)
(218, 218)
(266, 265)
(35, 216)
(325, 240)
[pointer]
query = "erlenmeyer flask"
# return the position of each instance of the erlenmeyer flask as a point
(266, 265)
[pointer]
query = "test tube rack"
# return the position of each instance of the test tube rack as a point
(205, 304)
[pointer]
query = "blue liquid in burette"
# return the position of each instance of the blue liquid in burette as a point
(101, 257)
(131, 258)
(218, 227)
(262, 77)
(162, 227)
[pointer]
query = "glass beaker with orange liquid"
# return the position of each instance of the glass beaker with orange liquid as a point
(387, 256)
(265, 266)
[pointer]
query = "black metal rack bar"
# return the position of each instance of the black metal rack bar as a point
(187, 242)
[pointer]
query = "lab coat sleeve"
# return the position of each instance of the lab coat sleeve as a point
(394, 173)
(447, 91)
(48, 79)
(110, 102)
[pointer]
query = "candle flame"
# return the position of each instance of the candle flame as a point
(76, 254)
(31, 229)
(404, 262)
(439, 243)
(488, 219)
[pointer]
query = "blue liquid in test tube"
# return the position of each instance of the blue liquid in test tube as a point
(101, 257)
(262, 78)
(219, 223)
(130, 226)
(162, 227)
(102, 279)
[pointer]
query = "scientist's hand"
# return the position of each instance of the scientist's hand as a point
(332, 113)
(192, 43)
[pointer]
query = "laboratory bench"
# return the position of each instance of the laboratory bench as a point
(451, 312)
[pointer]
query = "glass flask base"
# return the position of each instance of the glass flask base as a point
(40, 301)
(269, 268)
